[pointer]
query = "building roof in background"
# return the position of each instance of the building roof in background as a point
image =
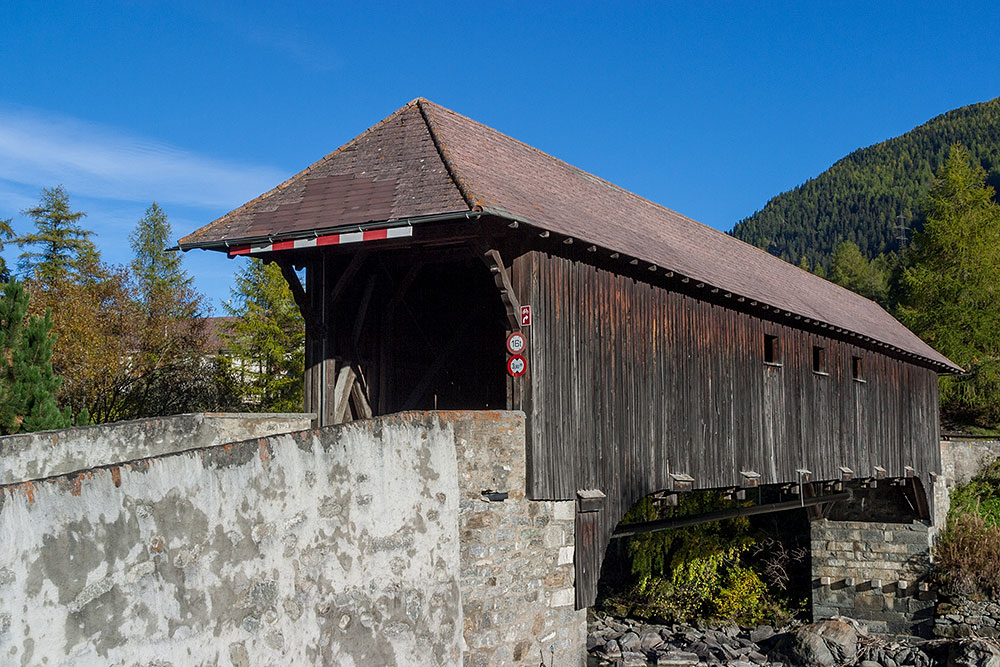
(425, 160)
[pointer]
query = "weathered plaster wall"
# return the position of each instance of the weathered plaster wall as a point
(873, 571)
(517, 555)
(370, 543)
(337, 546)
(47, 453)
(961, 459)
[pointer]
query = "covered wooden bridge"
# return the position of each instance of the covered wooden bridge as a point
(655, 353)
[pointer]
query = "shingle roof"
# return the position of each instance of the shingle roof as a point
(427, 160)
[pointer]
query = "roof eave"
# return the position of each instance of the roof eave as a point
(940, 367)
(224, 244)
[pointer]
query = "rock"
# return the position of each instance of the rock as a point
(593, 641)
(649, 639)
(612, 649)
(841, 638)
(677, 659)
(804, 649)
(973, 653)
(629, 642)
(869, 663)
(729, 629)
(760, 633)
(633, 659)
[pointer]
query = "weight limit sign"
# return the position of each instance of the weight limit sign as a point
(516, 366)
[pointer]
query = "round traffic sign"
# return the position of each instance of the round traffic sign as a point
(516, 342)
(516, 366)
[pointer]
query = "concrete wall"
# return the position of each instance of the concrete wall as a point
(47, 453)
(872, 571)
(961, 459)
(369, 543)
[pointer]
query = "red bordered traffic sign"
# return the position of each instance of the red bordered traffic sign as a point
(516, 342)
(516, 366)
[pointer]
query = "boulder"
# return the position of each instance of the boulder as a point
(629, 642)
(760, 633)
(649, 639)
(803, 649)
(633, 659)
(973, 653)
(841, 638)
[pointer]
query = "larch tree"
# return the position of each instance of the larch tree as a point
(27, 382)
(6, 233)
(170, 365)
(59, 246)
(266, 340)
(851, 269)
(951, 287)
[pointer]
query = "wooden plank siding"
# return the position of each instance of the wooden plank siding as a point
(628, 382)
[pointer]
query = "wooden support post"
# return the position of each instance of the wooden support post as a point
(507, 294)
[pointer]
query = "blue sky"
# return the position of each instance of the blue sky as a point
(708, 108)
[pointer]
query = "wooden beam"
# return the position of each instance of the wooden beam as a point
(298, 293)
(342, 395)
(362, 409)
(507, 294)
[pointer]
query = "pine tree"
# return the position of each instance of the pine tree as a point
(951, 288)
(27, 382)
(63, 247)
(267, 340)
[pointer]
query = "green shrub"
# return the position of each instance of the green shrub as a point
(697, 572)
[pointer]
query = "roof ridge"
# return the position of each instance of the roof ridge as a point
(476, 201)
(442, 151)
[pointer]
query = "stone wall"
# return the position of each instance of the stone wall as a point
(967, 618)
(517, 555)
(47, 453)
(370, 543)
(873, 572)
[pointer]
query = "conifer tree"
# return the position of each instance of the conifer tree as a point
(61, 246)
(27, 382)
(158, 271)
(6, 232)
(267, 340)
(951, 288)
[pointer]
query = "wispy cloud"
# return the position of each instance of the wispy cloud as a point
(41, 150)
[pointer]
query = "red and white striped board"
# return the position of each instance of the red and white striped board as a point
(329, 239)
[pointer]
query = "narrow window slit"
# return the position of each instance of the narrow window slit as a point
(819, 359)
(771, 351)
(856, 370)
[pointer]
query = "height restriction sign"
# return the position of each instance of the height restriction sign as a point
(516, 342)
(516, 366)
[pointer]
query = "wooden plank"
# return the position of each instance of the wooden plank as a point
(342, 394)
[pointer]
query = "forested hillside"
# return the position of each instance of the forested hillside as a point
(861, 196)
